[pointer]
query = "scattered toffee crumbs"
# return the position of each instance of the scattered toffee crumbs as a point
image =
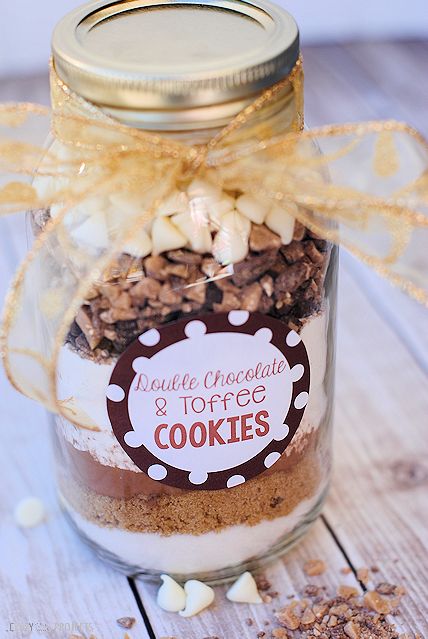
(314, 567)
(126, 622)
(347, 615)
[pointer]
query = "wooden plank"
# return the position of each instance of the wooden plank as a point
(362, 81)
(47, 575)
(378, 502)
(225, 620)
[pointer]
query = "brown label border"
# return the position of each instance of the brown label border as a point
(123, 376)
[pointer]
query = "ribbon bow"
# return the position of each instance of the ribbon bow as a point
(367, 191)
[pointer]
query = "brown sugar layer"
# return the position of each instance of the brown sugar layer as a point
(111, 481)
(265, 497)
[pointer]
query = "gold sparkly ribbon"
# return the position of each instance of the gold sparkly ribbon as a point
(367, 191)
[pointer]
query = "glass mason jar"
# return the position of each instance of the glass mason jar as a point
(206, 360)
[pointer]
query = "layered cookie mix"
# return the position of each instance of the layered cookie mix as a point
(267, 264)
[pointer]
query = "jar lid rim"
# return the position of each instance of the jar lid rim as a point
(174, 54)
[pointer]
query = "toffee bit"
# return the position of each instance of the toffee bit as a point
(347, 592)
(314, 567)
(363, 575)
(377, 603)
(126, 622)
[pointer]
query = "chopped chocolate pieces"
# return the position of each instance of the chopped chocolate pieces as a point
(285, 282)
(293, 252)
(313, 253)
(314, 567)
(291, 277)
(253, 267)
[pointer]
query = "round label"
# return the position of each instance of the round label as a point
(209, 403)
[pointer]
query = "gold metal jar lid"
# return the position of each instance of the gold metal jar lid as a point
(173, 54)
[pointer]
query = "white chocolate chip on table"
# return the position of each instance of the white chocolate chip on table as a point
(244, 590)
(171, 596)
(198, 597)
(29, 512)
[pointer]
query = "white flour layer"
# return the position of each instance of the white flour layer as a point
(186, 554)
(87, 380)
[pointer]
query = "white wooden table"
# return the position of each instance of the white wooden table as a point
(377, 512)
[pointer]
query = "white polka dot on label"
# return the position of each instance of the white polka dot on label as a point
(150, 338)
(301, 400)
(198, 477)
(157, 472)
(293, 339)
(235, 480)
(264, 334)
(271, 459)
(115, 393)
(283, 434)
(238, 318)
(133, 439)
(195, 329)
(140, 364)
(296, 372)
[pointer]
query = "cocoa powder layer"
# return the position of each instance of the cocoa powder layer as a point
(118, 483)
(265, 497)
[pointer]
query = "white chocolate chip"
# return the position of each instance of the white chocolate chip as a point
(140, 245)
(48, 186)
(166, 236)
(177, 202)
(171, 596)
(196, 229)
(244, 590)
(219, 208)
(253, 208)
(198, 597)
(29, 512)
(281, 220)
(123, 204)
(88, 224)
(231, 242)
(203, 188)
